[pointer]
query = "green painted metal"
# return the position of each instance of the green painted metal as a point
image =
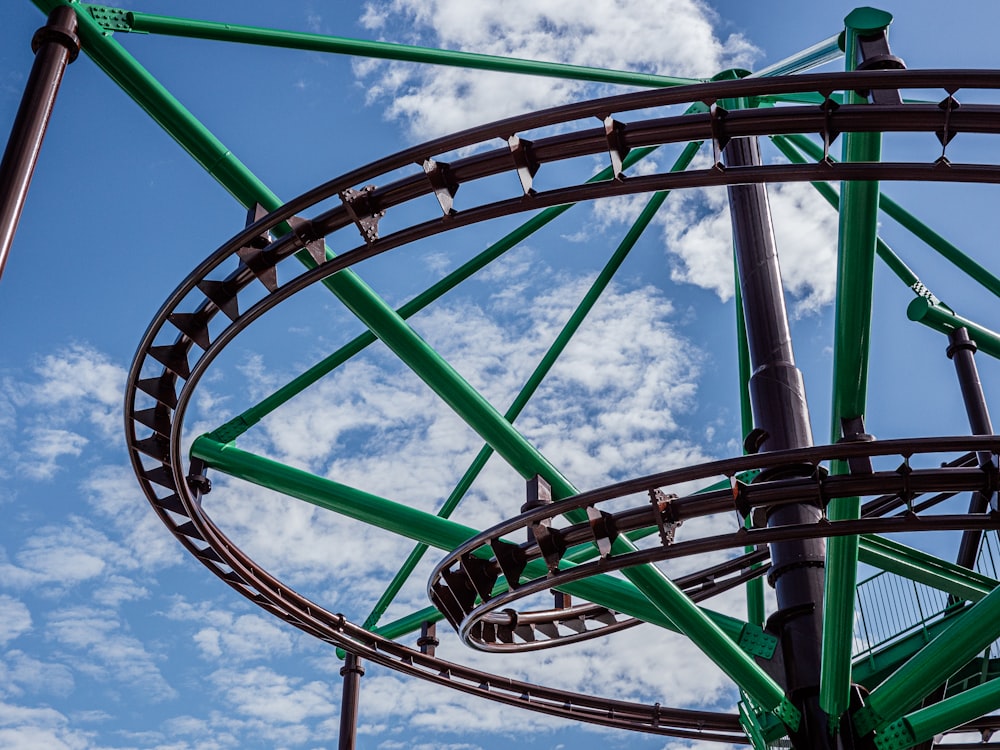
(227, 32)
(952, 712)
(941, 318)
(915, 565)
(793, 147)
(240, 424)
(415, 524)
(755, 587)
(541, 370)
(966, 636)
(906, 219)
(357, 296)
(654, 597)
(852, 331)
(873, 668)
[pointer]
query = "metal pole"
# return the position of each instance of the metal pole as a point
(55, 46)
(961, 351)
(777, 394)
(352, 672)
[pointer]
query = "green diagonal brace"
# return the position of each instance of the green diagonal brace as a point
(915, 565)
(852, 332)
(918, 677)
(715, 634)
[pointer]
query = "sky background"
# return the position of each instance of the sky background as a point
(111, 636)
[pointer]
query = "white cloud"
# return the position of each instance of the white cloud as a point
(46, 446)
(20, 672)
(24, 728)
(15, 619)
(671, 38)
(142, 540)
(104, 651)
(698, 237)
(228, 637)
(79, 382)
(58, 557)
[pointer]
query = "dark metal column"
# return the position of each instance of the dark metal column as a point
(55, 46)
(352, 671)
(781, 419)
(961, 351)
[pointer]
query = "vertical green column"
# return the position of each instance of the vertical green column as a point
(755, 587)
(852, 332)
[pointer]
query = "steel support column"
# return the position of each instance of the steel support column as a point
(55, 45)
(777, 394)
(961, 351)
(352, 672)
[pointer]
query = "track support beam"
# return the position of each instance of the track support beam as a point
(777, 395)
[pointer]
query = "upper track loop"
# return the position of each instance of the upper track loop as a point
(179, 344)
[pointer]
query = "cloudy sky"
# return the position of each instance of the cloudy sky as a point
(111, 636)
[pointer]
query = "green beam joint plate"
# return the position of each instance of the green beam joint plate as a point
(756, 642)
(788, 714)
(109, 19)
(896, 736)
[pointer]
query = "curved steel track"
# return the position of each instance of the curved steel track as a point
(179, 346)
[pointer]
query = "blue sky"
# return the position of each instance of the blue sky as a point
(112, 637)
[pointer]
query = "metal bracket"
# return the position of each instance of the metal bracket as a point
(614, 131)
(757, 642)
(525, 162)
(664, 515)
(110, 19)
(443, 182)
(362, 212)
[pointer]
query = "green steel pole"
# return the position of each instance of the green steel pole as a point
(755, 587)
(714, 634)
(229, 32)
(240, 424)
(852, 331)
(924, 724)
(357, 296)
(940, 318)
(904, 561)
(954, 647)
(916, 227)
(541, 370)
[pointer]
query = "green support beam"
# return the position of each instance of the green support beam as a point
(541, 371)
(968, 635)
(230, 32)
(915, 565)
(715, 634)
(932, 239)
(923, 725)
(941, 318)
(852, 332)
